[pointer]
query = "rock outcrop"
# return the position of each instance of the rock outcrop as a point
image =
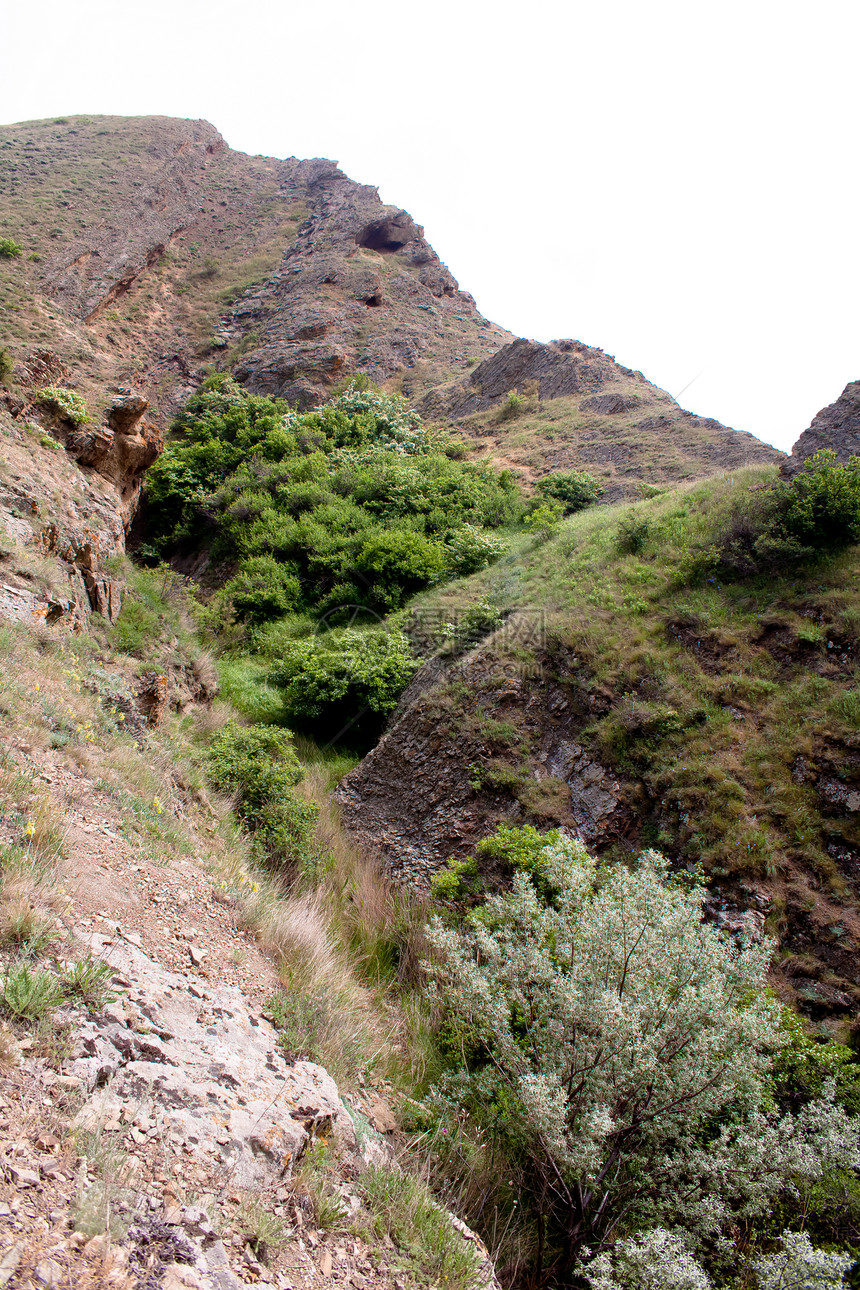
(565, 405)
(182, 251)
(836, 427)
(120, 450)
(196, 1065)
(361, 289)
(474, 744)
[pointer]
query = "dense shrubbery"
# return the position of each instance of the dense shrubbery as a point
(354, 503)
(575, 489)
(629, 1058)
(817, 512)
(344, 675)
(9, 249)
(259, 764)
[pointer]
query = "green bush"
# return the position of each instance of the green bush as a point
(263, 589)
(820, 508)
(512, 407)
(544, 517)
(357, 500)
(64, 403)
(575, 489)
(469, 549)
(9, 249)
(340, 675)
(816, 513)
(259, 765)
(622, 1049)
(397, 563)
(635, 531)
(7, 364)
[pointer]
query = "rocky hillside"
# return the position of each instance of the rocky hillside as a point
(151, 251)
(836, 427)
(632, 700)
(569, 406)
(150, 248)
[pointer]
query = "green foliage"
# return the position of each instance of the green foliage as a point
(575, 489)
(264, 1231)
(455, 880)
(512, 407)
(469, 549)
(816, 513)
(88, 979)
(259, 765)
(343, 673)
(263, 589)
(405, 1212)
(543, 518)
(155, 607)
(303, 1020)
(28, 992)
(820, 508)
(519, 848)
(623, 1050)
(397, 563)
(357, 500)
(9, 249)
(471, 626)
(634, 533)
(64, 403)
(7, 364)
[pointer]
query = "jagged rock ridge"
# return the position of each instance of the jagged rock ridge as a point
(568, 405)
(139, 235)
(836, 427)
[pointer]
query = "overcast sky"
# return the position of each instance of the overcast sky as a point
(674, 181)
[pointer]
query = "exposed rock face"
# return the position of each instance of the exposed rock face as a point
(836, 427)
(361, 289)
(559, 368)
(120, 450)
(176, 227)
(426, 792)
(179, 1057)
(50, 507)
(576, 408)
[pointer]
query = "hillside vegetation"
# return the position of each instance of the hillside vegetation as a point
(499, 753)
(702, 638)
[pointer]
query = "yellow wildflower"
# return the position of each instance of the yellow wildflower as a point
(29, 829)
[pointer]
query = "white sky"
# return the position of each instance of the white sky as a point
(675, 181)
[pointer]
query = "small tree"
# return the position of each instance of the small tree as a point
(575, 489)
(623, 1047)
(339, 675)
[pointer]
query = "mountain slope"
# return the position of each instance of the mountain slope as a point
(151, 251)
(138, 234)
(634, 701)
(568, 405)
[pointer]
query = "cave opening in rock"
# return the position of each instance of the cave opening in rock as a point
(374, 301)
(384, 235)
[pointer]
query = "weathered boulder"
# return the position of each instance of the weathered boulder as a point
(197, 1065)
